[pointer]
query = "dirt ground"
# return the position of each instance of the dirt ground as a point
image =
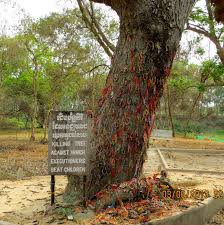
(185, 181)
(19, 159)
(188, 181)
(187, 143)
(207, 162)
(218, 219)
(25, 185)
(25, 201)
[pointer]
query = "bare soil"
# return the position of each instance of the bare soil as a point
(218, 219)
(186, 143)
(207, 162)
(25, 185)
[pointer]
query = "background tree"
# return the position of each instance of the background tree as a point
(67, 63)
(15, 83)
(203, 22)
(73, 56)
(192, 88)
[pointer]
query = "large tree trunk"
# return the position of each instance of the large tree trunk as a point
(150, 32)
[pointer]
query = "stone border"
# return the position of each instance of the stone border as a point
(201, 151)
(6, 223)
(195, 215)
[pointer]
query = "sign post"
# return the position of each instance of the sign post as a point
(84, 191)
(52, 189)
(69, 144)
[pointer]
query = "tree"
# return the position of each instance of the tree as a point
(89, 17)
(150, 32)
(15, 84)
(170, 110)
(203, 22)
(219, 10)
(192, 95)
(52, 56)
(65, 62)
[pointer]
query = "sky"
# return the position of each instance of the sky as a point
(40, 8)
(11, 15)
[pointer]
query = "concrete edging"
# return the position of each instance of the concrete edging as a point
(198, 151)
(166, 167)
(196, 215)
(163, 161)
(6, 223)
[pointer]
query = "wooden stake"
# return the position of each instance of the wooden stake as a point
(84, 192)
(52, 189)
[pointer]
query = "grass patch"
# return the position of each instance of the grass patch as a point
(216, 135)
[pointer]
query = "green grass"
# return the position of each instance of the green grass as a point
(217, 135)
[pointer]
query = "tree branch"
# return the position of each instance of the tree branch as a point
(220, 34)
(106, 2)
(101, 33)
(214, 85)
(93, 29)
(96, 67)
(207, 85)
(203, 32)
(211, 17)
(211, 34)
(116, 5)
(199, 27)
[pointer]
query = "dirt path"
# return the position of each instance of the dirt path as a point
(186, 181)
(25, 201)
(186, 143)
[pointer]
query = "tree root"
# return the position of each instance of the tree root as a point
(128, 191)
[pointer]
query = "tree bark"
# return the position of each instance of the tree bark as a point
(34, 105)
(170, 112)
(219, 10)
(46, 120)
(196, 100)
(150, 32)
(204, 78)
(211, 34)
(94, 27)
